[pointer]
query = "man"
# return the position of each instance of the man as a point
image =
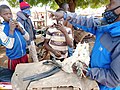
(58, 39)
(23, 18)
(65, 7)
(105, 56)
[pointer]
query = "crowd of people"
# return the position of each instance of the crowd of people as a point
(17, 35)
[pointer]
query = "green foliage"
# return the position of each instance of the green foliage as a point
(91, 3)
(13, 3)
(53, 4)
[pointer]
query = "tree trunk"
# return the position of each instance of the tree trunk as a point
(72, 5)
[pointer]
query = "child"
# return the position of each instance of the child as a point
(13, 37)
(58, 39)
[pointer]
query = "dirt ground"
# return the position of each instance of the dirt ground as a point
(3, 57)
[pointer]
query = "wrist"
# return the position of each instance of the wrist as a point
(22, 31)
(65, 33)
(53, 51)
(11, 32)
(11, 29)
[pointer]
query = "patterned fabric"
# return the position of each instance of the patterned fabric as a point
(104, 66)
(5, 40)
(58, 42)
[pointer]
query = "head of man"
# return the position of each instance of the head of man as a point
(5, 13)
(60, 21)
(65, 6)
(25, 8)
(112, 12)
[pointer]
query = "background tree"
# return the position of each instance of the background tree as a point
(56, 3)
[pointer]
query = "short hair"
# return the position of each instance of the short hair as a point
(60, 9)
(62, 5)
(3, 7)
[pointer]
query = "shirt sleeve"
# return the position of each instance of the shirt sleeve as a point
(88, 24)
(108, 77)
(7, 41)
(25, 34)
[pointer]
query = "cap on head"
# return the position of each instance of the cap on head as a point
(23, 5)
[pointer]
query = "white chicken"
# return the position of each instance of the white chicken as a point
(81, 54)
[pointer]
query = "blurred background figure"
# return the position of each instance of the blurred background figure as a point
(23, 17)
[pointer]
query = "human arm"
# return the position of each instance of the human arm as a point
(68, 35)
(108, 77)
(7, 41)
(49, 48)
(23, 31)
(89, 24)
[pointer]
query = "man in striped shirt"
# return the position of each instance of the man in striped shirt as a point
(58, 38)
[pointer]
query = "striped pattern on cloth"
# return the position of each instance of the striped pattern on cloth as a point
(58, 41)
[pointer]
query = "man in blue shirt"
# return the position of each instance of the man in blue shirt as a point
(105, 56)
